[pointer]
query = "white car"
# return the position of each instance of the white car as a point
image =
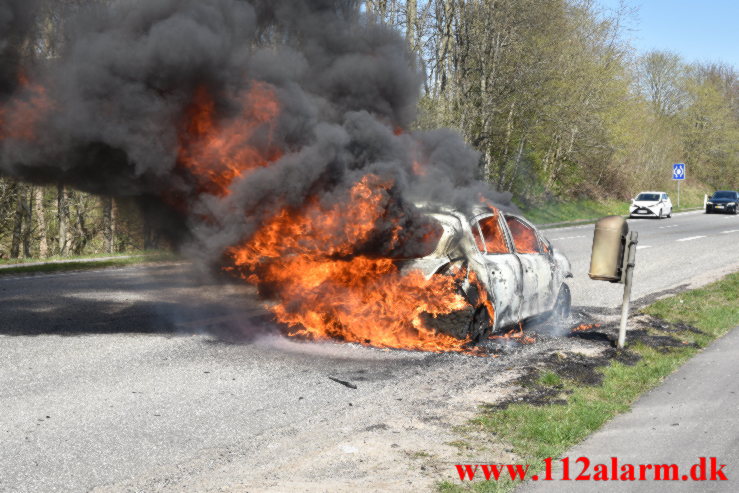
(522, 274)
(651, 204)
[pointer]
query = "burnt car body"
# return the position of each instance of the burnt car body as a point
(522, 275)
(723, 201)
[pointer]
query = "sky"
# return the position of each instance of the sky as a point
(699, 31)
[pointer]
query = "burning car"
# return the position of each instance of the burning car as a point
(506, 269)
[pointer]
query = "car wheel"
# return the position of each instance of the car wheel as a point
(480, 324)
(660, 214)
(669, 215)
(561, 311)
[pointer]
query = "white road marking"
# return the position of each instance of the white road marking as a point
(730, 231)
(666, 227)
(642, 247)
(591, 225)
(568, 238)
(689, 238)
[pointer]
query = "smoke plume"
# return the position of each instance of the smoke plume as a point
(222, 114)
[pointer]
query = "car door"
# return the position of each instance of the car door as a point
(668, 204)
(538, 271)
(504, 269)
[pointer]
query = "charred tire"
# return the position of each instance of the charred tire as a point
(562, 306)
(480, 324)
(472, 322)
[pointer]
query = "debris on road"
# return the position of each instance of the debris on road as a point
(344, 383)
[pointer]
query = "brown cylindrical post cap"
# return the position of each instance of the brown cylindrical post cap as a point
(608, 248)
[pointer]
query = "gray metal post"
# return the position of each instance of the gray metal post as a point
(632, 240)
(678, 193)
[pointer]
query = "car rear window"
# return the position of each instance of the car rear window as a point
(524, 236)
(417, 242)
(430, 237)
(493, 236)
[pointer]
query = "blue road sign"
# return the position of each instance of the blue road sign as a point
(678, 171)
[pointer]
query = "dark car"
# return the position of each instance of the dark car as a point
(723, 201)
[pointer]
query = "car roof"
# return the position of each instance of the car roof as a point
(469, 215)
(650, 191)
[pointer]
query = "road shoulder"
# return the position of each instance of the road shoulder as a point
(691, 415)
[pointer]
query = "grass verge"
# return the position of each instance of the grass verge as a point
(578, 210)
(537, 432)
(591, 210)
(20, 261)
(85, 263)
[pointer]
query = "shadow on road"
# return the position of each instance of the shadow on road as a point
(170, 299)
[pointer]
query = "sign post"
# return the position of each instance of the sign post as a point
(627, 275)
(613, 259)
(678, 174)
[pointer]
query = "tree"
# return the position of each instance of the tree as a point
(62, 211)
(39, 207)
(108, 223)
(660, 78)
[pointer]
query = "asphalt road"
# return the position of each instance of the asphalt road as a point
(109, 383)
(156, 378)
(687, 250)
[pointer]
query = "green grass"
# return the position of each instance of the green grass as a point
(579, 210)
(550, 379)
(9, 261)
(537, 432)
(86, 263)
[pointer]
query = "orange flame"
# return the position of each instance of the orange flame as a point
(524, 238)
(418, 169)
(304, 259)
(583, 327)
(307, 260)
(516, 334)
(218, 151)
(19, 119)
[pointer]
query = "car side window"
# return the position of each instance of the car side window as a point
(493, 239)
(524, 236)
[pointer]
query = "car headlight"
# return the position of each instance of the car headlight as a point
(731, 203)
(709, 203)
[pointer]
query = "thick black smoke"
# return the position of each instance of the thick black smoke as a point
(127, 72)
(16, 20)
